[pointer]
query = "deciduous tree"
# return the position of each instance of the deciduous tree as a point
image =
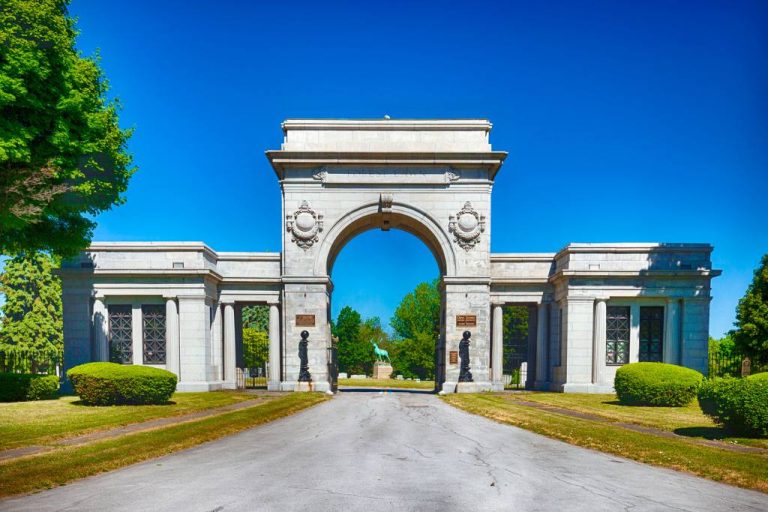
(63, 155)
(751, 334)
(355, 355)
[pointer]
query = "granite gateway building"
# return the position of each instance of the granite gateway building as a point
(593, 307)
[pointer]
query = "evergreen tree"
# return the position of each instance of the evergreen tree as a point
(31, 338)
(751, 334)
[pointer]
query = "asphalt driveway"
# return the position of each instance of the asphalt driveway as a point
(375, 451)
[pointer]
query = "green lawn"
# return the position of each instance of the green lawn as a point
(43, 422)
(387, 383)
(748, 470)
(687, 421)
(64, 464)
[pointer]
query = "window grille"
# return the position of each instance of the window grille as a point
(120, 334)
(153, 320)
(617, 335)
(651, 333)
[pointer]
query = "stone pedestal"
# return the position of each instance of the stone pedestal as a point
(304, 386)
(473, 387)
(382, 370)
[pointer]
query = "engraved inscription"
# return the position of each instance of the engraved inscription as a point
(305, 320)
(466, 320)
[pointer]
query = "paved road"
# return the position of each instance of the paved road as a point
(390, 451)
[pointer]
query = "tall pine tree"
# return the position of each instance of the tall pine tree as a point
(31, 338)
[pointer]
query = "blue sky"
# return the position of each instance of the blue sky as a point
(625, 121)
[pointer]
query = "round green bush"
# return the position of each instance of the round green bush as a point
(740, 405)
(657, 384)
(18, 387)
(118, 384)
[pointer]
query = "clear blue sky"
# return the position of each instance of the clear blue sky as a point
(625, 121)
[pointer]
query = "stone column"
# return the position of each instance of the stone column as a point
(217, 357)
(598, 348)
(100, 328)
(172, 336)
(497, 348)
(672, 332)
(542, 361)
(230, 357)
(273, 384)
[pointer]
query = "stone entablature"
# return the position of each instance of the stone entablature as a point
(434, 179)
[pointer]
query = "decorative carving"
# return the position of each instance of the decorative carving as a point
(385, 206)
(466, 226)
(464, 374)
(452, 175)
(320, 174)
(304, 224)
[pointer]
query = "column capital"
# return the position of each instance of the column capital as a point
(601, 299)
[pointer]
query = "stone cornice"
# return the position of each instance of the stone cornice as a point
(387, 124)
(658, 274)
(280, 159)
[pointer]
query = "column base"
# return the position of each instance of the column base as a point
(585, 388)
(192, 386)
(319, 386)
(274, 385)
(497, 386)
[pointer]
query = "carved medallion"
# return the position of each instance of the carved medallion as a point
(466, 226)
(304, 224)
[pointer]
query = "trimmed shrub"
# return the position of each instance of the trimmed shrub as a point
(740, 405)
(118, 384)
(658, 384)
(18, 387)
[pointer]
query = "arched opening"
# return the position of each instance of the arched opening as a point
(378, 276)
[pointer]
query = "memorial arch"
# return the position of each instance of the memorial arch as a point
(591, 304)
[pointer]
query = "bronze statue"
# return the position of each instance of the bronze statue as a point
(465, 375)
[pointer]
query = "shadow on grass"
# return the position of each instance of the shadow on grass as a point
(712, 433)
(82, 403)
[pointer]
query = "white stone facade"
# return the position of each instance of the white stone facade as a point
(430, 178)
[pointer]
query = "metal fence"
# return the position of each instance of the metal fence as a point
(722, 365)
(252, 378)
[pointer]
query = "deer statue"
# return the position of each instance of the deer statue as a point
(380, 352)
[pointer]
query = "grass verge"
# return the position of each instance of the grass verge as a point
(688, 421)
(66, 464)
(44, 422)
(747, 470)
(387, 383)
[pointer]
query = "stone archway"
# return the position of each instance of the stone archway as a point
(393, 216)
(430, 178)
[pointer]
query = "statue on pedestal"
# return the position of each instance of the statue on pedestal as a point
(465, 375)
(304, 375)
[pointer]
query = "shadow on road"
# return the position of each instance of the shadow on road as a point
(385, 390)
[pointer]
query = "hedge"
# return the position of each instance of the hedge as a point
(740, 405)
(657, 384)
(118, 384)
(17, 387)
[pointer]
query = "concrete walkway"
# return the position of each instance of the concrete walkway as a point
(391, 451)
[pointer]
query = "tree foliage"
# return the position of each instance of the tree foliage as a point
(255, 347)
(256, 317)
(418, 312)
(751, 334)
(416, 323)
(355, 353)
(31, 337)
(63, 156)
